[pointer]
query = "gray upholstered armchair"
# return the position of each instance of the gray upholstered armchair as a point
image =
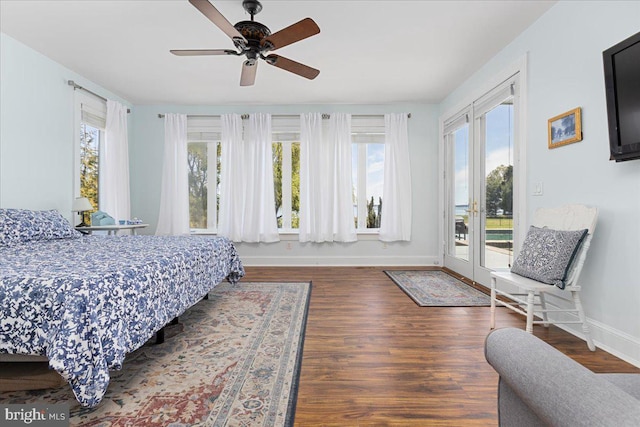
(540, 386)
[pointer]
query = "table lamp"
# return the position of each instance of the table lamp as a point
(82, 205)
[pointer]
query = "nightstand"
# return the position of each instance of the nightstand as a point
(111, 229)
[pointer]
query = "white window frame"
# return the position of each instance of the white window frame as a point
(207, 130)
(285, 129)
(97, 107)
(365, 130)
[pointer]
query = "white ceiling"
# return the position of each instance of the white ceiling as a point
(368, 52)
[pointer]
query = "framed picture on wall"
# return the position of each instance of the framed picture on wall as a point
(565, 128)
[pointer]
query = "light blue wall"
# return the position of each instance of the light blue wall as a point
(564, 49)
(36, 129)
(146, 167)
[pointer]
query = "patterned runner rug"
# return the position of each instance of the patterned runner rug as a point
(433, 288)
(233, 359)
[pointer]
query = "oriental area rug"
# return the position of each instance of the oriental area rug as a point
(433, 288)
(232, 360)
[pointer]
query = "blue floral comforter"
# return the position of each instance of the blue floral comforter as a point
(86, 302)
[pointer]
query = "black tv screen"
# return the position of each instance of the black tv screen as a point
(622, 85)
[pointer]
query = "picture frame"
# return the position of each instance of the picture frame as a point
(565, 128)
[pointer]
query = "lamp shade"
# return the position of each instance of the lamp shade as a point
(81, 204)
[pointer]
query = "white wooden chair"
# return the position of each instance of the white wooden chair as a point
(529, 297)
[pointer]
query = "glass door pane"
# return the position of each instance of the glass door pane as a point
(496, 248)
(458, 255)
(460, 145)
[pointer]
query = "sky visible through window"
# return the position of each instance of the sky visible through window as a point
(375, 171)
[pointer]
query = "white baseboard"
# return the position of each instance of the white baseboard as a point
(618, 343)
(349, 261)
(611, 340)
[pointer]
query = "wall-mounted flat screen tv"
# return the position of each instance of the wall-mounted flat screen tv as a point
(622, 85)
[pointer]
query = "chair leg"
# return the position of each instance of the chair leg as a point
(530, 300)
(543, 305)
(583, 319)
(492, 322)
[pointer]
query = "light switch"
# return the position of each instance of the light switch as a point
(537, 189)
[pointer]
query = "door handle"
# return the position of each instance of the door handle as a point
(475, 208)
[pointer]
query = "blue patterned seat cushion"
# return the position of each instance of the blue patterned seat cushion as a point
(22, 225)
(547, 254)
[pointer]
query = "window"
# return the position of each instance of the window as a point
(204, 162)
(91, 113)
(286, 171)
(90, 163)
(286, 181)
(203, 158)
(368, 137)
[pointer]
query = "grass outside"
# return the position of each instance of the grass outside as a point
(494, 222)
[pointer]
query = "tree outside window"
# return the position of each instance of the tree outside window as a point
(286, 182)
(199, 158)
(89, 163)
(499, 190)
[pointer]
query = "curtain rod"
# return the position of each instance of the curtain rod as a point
(246, 116)
(77, 86)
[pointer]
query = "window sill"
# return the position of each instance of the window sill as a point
(293, 235)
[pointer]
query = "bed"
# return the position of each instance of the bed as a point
(85, 301)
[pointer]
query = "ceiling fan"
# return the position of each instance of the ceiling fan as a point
(254, 40)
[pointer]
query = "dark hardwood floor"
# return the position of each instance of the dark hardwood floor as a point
(372, 357)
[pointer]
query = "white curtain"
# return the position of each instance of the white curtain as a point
(314, 187)
(114, 187)
(326, 206)
(396, 207)
(231, 178)
(260, 223)
(247, 201)
(174, 199)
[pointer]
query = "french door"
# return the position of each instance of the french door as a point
(479, 150)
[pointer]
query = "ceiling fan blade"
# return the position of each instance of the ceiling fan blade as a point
(201, 52)
(293, 33)
(249, 68)
(217, 18)
(292, 66)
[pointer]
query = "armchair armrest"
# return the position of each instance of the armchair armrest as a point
(536, 380)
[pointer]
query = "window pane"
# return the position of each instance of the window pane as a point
(295, 185)
(286, 183)
(498, 226)
(89, 163)
(212, 221)
(460, 139)
(277, 181)
(375, 178)
(197, 161)
(354, 180)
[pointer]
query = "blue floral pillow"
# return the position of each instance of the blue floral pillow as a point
(22, 225)
(547, 254)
